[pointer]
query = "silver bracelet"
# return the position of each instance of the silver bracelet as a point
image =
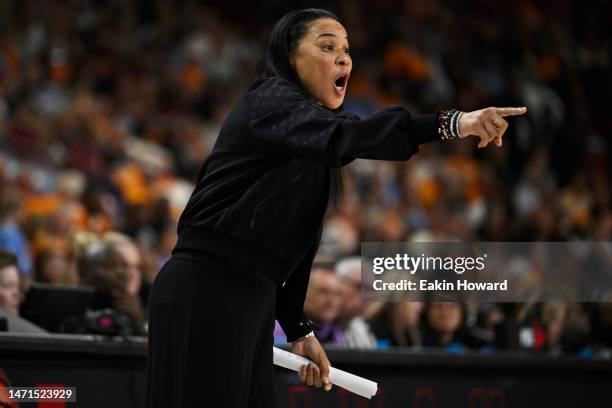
(311, 334)
(459, 116)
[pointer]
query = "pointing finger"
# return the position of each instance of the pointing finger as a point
(510, 111)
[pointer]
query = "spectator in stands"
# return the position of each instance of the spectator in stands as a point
(397, 324)
(130, 253)
(356, 331)
(553, 318)
(444, 325)
(578, 328)
(11, 236)
(10, 297)
(53, 267)
(322, 305)
(487, 319)
(103, 267)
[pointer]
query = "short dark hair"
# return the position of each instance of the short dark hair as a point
(7, 259)
(283, 41)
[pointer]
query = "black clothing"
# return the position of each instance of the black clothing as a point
(262, 193)
(248, 236)
(208, 346)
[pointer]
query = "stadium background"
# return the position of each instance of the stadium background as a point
(108, 109)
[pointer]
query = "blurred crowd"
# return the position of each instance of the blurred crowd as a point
(335, 303)
(109, 108)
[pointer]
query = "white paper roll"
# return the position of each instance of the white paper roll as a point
(351, 382)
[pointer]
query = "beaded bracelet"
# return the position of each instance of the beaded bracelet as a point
(448, 124)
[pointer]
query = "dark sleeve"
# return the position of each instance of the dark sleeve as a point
(290, 301)
(285, 122)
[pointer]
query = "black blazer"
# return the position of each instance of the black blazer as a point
(262, 193)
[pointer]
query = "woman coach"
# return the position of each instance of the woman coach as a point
(250, 231)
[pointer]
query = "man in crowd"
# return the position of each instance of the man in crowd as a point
(128, 250)
(102, 267)
(356, 331)
(322, 304)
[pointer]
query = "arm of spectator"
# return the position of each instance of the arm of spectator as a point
(131, 306)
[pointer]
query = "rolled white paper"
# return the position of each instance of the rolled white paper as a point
(351, 382)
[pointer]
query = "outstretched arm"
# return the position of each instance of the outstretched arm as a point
(287, 123)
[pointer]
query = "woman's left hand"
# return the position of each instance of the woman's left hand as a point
(488, 124)
(317, 375)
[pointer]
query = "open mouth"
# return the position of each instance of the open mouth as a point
(340, 83)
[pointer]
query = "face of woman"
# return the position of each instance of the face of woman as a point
(9, 289)
(322, 61)
(445, 317)
(411, 313)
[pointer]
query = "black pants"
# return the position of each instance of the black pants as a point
(210, 336)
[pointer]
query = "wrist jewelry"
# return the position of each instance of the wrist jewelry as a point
(458, 122)
(448, 124)
(311, 334)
